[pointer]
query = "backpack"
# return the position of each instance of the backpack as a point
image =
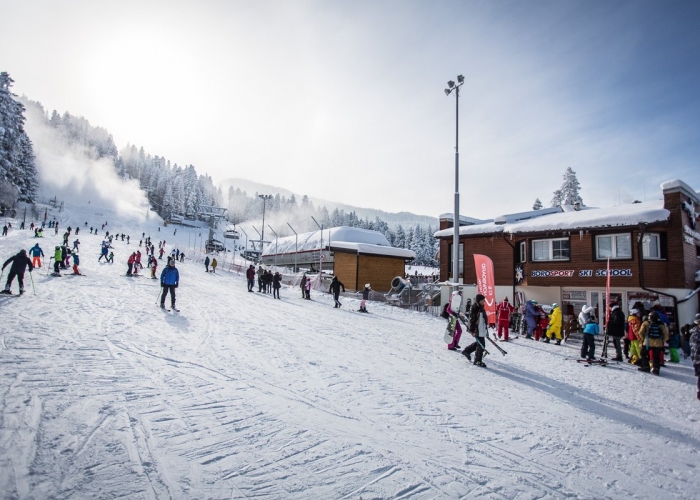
(655, 331)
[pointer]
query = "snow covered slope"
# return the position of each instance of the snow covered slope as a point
(103, 395)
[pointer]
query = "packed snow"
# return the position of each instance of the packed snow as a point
(103, 395)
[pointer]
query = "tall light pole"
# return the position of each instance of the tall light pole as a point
(455, 242)
(273, 232)
(296, 241)
(320, 255)
(264, 198)
(245, 250)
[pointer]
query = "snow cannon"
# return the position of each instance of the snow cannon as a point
(398, 284)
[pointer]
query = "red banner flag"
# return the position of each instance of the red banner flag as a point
(486, 285)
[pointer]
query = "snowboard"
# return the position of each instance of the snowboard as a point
(451, 326)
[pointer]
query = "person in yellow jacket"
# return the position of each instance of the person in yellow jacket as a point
(654, 336)
(634, 324)
(554, 327)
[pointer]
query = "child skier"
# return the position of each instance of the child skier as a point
(57, 260)
(590, 330)
(37, 253)
(76, 263)
(365, 298)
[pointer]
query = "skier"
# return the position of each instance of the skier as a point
(365, 298)
(161, 251)
(182, 257)
(20, 262)
(335, 287)
(478, 328)
(105, 248)
(213, 263)
(590, 330)
(695, 349)
(206, 263)
(503, 311)
(453, 315)
(554, 327)
(77, 230)
(76, 263)
(4, 230)
(276, 285)
(57, 261)
(531, 317)
(616, 329)
(584, 315)
(250, 276)
(130, 263)
(153, 265)
(137, 262)
(169, 280)
(110, 259)
(76, 246)
(37, 253)
(654, 335)
(302, 285)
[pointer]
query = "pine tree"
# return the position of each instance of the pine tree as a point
(537, 205)
(568, 193)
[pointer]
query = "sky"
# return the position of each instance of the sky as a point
(345, 100)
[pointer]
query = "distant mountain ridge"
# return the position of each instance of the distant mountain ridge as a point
(391, 218)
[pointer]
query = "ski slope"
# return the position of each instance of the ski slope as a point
(103, 395)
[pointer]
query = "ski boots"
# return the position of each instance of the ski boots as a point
(480, 363)
(468, 355)
(558, 342)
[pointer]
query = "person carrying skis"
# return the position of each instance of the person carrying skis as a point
(57, 256)
(554, 326)
(478, 327)
(453, 314)
(130, 263)
(503, 311)
(169, 280)
(590, 330)
(276, 285)
(20, 262)
(76, 263)
(365, 298)
(206, 263)
(616, 329)
(250, 276)
(335, 287)
(213, 264)
(695, 349)
(654, 335)
(37, 253)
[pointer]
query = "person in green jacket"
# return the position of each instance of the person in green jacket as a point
(57, 259)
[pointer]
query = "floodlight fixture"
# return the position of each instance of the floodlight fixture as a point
(450, 84)
(448, 91)
(460, 79)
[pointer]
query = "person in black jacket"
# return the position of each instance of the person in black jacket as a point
(335, 287)
(616, 329)
(20, 262)
(276, 285)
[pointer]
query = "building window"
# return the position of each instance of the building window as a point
(523, 252)
(614, 246)
(553, 249)
(651, 246)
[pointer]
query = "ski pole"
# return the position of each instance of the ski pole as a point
(32, 278)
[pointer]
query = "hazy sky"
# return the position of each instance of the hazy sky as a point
(344, 100)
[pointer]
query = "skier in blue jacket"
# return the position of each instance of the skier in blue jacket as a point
(531, 317)
(590, 330)
(169, 280)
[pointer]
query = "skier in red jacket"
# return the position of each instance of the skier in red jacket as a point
(503, 311)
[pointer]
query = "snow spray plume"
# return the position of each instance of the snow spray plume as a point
(71, 171)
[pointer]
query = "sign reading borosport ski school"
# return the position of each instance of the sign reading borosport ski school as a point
(583, 273)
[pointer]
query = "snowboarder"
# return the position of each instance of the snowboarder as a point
(590, 330)
(503, 311)
(453, 313)
(20, 262)
(206, 263)
(37, 253)
(365, 298)
(250, 276)
(335, 287)
(76, 263)
(276, 285)
(654, 335)
(213, 264)
(554, 326)
(616, 329)
(478, 327)
(169, 280)
(695, 349)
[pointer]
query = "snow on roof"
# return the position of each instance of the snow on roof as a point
(677, 184)
(463, 219)
(312, 241)
(624, 215)
(365, 248)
